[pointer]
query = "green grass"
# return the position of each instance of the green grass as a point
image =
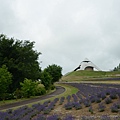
(11, 101)
(82, 75)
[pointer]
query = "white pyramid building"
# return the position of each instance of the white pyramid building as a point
(87, 65)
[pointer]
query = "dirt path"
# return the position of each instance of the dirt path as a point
(58, 91)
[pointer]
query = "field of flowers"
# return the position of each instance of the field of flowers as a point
(91, 102)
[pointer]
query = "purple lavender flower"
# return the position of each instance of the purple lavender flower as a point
(91, 109)
(39, 117)
(114, 108)
(108, 100)
(77, 105)
(53, 117)
(69, 117)
(68, 105)
(101, 107)
(105, 117)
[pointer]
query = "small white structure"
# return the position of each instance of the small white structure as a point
(87, 65)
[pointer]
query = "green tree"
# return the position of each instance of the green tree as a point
(55, 71)
(117, 68)
(20, 58)
(5, 81)
(46, 79)
(28, 87)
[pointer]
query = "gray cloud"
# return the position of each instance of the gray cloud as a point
(66, 31)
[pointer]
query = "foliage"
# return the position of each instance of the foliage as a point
(77, 105)
(20, 58)
(101, 107)
(52, 87)
(5, 81)
(30, 88)
(108, 100)
(68, 105)
(46, 79)
(91, 109)
(17, 93)
(117, 68)
(55, 72)
(115, 107)
(40, 90)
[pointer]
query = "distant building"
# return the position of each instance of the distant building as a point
(87, 65)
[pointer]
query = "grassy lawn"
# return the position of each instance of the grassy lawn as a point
(82, 75)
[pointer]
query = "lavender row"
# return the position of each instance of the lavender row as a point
(89, 94)
(93, 89)
(78, 102)
(105, 85)
(27, 113)
(86, 95)
(6, 116)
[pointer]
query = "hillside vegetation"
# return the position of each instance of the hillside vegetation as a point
(82, 75)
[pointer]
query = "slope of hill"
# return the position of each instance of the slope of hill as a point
(90, 75)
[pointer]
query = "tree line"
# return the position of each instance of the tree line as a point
(20, 70)
(117, 68)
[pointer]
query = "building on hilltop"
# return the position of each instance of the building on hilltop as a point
(87, 65)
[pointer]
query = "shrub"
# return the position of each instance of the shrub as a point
(53, 117)
(97, 99)
(103, 95)
(101, 107)
(108, 100)
(52, 87)
(113, 96)
(46, 111)
(5, 81)
(77, 105)
(87, 103)
(105, 117)
(91, 109)
(69, 117)
(68, 98)
(68, 105)
(28, 87)
(40, 91)
(62, 100)
(115, 107)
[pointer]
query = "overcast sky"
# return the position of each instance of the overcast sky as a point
(66, 31)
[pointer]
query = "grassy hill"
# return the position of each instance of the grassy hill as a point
(82, 75)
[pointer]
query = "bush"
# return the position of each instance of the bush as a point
(108, 100)
(17, 94)
(52, 87)
(115, 107)
(31, 88)
(101, 107)
(40, 91)
(5, 81)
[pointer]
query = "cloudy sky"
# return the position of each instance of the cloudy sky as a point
(66, 31)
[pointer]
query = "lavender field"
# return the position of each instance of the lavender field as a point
(91, 102)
